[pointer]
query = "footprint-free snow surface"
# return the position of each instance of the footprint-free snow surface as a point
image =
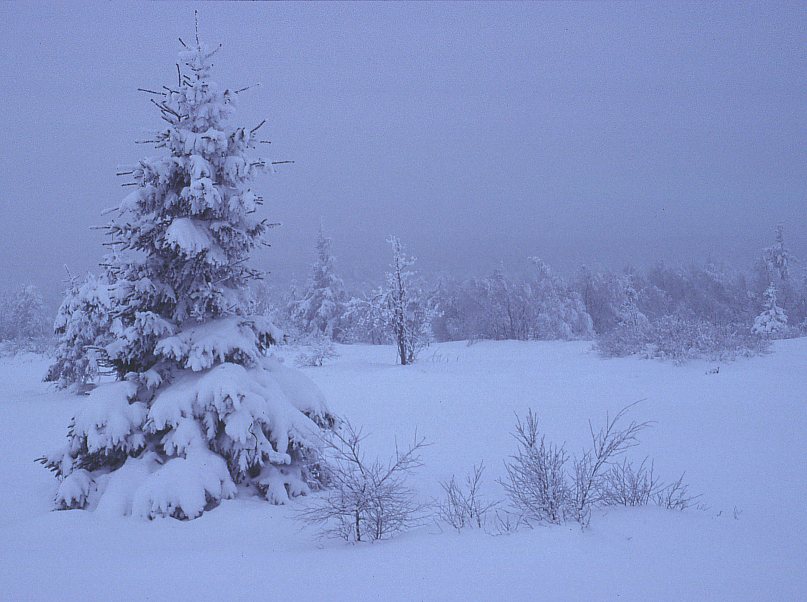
(739, 434)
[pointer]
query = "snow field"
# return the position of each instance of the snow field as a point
(738, 434)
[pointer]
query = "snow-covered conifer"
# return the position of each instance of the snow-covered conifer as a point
(321, 306)
(777, 258)
(199, 409)
(81, 323)
(772, 320)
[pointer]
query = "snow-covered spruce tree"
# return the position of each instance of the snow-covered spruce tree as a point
(198, 409)
(322, 304)
(772, 320)
(81, 324)
(408, 312)
(777, 258)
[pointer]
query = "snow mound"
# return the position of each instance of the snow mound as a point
(184, 487)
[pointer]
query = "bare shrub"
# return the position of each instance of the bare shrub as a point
(318, 350)
(366, 500)
(462, 505)
(544, 485)
(680, 338)
(628, 486)
(536, 481)
(506, 522)
(675, 496)
(589, 468)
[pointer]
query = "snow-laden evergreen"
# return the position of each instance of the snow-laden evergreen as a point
(199, 409)
(772, 320)
(319, 310)
(778, 259)
(81, 323)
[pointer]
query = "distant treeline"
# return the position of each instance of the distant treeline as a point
(669, 312)
(678, 313)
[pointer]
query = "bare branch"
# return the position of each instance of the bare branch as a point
(245, 88)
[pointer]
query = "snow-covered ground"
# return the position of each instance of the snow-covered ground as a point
(739, 434)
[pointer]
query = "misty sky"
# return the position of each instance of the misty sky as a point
(581, 133)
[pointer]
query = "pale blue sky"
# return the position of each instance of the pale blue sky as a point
(479, 133)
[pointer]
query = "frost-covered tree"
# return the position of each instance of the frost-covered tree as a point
(509, 306)
(199, 410)
(23, 321)
(409, 313)
(630, 334)
(772, 320)
(365, 319)
(604, 296)
(82, 324)
(322, 304)
(27, 317)
(559, 312)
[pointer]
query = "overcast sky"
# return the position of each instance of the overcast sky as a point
(479, 133)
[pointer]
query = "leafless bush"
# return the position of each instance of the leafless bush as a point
(589, 469)
(545, 486)
(628, 486)
(462, 505)
(506, 522)
(675, 496)
(536, 481)
(367, 500)
(318, 350)
(680, 339)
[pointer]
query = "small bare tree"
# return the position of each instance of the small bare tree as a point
(366, 500)
(462, 505)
